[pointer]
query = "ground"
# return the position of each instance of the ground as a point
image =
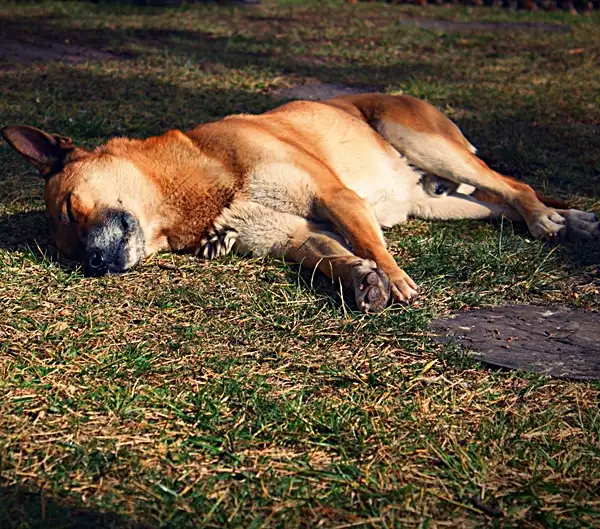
(246, 393)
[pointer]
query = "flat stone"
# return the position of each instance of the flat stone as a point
(555, 341)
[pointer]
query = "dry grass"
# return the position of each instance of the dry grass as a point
(231, 393)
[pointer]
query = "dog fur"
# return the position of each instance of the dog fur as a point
(310, 182)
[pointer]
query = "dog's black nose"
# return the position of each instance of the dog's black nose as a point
(112, 244)
(96, 263)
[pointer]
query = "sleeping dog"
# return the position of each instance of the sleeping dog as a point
(310, 182)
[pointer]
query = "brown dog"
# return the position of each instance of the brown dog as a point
(311, 182)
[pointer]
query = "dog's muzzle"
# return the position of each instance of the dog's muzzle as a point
(114, 245)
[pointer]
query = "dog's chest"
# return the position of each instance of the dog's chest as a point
(386, 183)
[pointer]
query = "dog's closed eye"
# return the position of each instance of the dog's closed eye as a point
(68, 209)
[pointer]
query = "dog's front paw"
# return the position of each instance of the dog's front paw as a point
(218, 241)
(581, 225)
(404, 289)
(371, 286)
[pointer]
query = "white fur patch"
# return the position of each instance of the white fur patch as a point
(283, 187)
(250, 228)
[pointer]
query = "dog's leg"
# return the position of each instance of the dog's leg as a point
(579, 224)
(353, 218)
(451, 160)
(314, 247)
(430, 141)
(458, 206)
(260, 231)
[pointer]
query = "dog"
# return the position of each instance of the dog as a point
(311, 182)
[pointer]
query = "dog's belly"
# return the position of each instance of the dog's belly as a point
(288, 180)
(389, 185)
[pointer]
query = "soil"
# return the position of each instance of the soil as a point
(23, 52)
(317, 91)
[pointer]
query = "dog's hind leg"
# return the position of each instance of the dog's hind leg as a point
(430, 141)
(579, 224)
(454, 161)
(459, 206)
(261, 231)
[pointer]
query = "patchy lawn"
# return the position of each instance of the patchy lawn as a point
(231, 393)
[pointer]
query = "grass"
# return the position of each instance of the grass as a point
(231, 393)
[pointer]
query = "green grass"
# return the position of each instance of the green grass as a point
(231, 393)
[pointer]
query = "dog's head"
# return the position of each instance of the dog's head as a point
(103, 208)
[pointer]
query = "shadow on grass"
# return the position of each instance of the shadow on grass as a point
(20, 507)
(207, 49)
(22, 230)
(28, 233)
(520, 140)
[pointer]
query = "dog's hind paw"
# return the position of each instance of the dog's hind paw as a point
(581, 225)
(372, 288)
(218, 241)
(548, 224)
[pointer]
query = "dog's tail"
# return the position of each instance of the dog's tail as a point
(486, 196)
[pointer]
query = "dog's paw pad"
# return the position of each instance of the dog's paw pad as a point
(371, 287)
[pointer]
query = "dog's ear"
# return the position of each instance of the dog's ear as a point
(47, 152)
